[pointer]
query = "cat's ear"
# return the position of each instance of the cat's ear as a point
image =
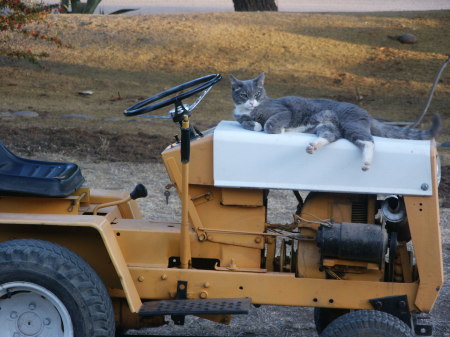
(235, 83)
(260, 80)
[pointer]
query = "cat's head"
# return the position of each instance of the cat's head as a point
(248, 94)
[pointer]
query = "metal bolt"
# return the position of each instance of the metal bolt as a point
(206, 285)
(378, 305)
(47, 321)
(141, 278)
(203, 294)
(402, 304)
(424, 187)
(13, 315)
(32, 306)
(257, 240)
(163, 277)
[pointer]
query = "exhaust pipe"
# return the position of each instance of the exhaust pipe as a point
(394, 214)
(393, 209)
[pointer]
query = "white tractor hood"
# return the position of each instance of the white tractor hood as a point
(250, 159)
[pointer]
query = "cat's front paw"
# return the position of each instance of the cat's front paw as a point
(311, 148)
(257, 127)
(252, 125)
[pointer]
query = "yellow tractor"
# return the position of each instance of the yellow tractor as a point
(363, 249)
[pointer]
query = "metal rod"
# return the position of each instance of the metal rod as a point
(185, 245)
(430, 95)
(222, 231)
(108, 204)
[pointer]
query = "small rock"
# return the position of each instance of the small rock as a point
(79, 116)
(404, 38)
(5, 114)
(25, 113)
(86, 93)
(5, 11)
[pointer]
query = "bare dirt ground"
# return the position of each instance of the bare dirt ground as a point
(124, 59)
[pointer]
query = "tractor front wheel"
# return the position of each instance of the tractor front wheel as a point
(48, 291)
(368, 323)
(324, 316)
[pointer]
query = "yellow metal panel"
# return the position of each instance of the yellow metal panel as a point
(68, 205)
(84, 241)
(210, 213)
(242, 197)
(423, 218)
(100, 196)
(201, 161)
(129, 210)
(106, 232)
(143, 242)
(214, 214)
(269, 288)
(317, 206)
(151, 244)
(175, 172)
(45, 205)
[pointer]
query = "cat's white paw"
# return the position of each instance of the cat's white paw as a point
(257, 127)
(317, 144)
(366, 166)
(311, 148)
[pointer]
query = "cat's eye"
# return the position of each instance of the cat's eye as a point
(243, 95)
(258, 94)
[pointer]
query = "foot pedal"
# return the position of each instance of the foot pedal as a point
(234, 306)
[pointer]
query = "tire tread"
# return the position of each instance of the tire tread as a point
(73, 269)
(358, 323)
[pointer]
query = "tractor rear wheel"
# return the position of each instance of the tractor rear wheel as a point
(324, 316)
(48, 291)
(367, 323)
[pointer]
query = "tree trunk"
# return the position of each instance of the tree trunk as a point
(254, 5)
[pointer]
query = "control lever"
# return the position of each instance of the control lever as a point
(138, 192)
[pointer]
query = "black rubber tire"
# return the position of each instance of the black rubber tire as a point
(367, 323)
(67, 276)
(324, 316)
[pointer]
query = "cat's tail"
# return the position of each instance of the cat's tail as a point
(380, 129)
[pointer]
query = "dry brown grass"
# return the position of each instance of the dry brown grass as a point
(126, 58)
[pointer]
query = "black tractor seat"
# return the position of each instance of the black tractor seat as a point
(20, 176)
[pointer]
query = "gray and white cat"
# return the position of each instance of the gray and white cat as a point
(329, 120)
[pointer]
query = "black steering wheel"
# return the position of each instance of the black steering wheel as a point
(202, 83)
